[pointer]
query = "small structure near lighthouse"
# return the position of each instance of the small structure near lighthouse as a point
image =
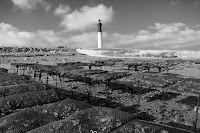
(100, 41)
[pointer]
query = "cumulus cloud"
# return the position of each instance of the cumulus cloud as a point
(85, 40)
(87, 17)
(164, 36)
(172, 27)
(174, 2)
(29, 5)
(62, 10)
(143, 32)
(197, 26)
(174, 36)
(11, 36)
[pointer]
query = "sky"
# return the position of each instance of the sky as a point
(128, 24)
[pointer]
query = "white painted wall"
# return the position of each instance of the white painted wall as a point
(100, 41)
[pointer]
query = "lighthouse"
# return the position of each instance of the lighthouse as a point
(100, 41)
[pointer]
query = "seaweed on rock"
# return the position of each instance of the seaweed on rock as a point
(11, 103)
(35, 117)
(99, 119)
(21, 88)
(140, 126)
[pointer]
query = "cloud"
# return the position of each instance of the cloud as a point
(197, 26)
(174, 2)
(47, 6)
(172, 27)
(87, 17)
(165, 36)
(85, 40)
(143, 32)
(11, 36)
(174, 36)
(29, 5)
(62, 10)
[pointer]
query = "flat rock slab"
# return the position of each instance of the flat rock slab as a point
(97, 119)
(35, 117)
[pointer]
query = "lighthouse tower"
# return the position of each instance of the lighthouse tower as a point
(100, 41)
